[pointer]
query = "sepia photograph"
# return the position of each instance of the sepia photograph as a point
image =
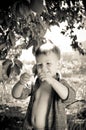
(43, 65)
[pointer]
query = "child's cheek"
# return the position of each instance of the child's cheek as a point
(39, 72)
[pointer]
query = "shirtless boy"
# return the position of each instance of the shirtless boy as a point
(49, 94)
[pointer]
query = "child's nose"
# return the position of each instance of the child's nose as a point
(44, 69)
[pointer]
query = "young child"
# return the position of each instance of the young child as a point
(49, 95)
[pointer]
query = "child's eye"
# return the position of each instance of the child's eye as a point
(48, 63)
(39, 65)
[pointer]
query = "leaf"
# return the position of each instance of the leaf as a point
(6, 65)
(3, 54)
(63, 32)
(16, 70)
(9, 70)
(12, 37)
(37, 6)
(18, 63)
(84, 3)
(2, 46)
(21, 9)
(13, 71)
(6, 62)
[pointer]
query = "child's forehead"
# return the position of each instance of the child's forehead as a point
(49, 55)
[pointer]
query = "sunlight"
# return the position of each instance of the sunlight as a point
(63, 42)
(81, 34)
(27, 55)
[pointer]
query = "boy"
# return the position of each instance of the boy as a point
(49, 94)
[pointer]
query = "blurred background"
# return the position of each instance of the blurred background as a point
(24, 26)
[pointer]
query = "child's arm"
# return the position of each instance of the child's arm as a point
(22, 89)
(17, 90)
(59, 88)
(64, 90)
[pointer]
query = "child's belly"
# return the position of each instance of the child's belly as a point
(40, 107)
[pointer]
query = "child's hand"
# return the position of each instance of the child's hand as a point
(25, 77)
(46, 77)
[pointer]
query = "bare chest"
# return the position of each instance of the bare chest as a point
(40, 105)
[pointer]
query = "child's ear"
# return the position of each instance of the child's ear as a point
(34, 70)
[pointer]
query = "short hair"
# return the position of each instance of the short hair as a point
(48, 47)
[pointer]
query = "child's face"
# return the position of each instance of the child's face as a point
(47, 64)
